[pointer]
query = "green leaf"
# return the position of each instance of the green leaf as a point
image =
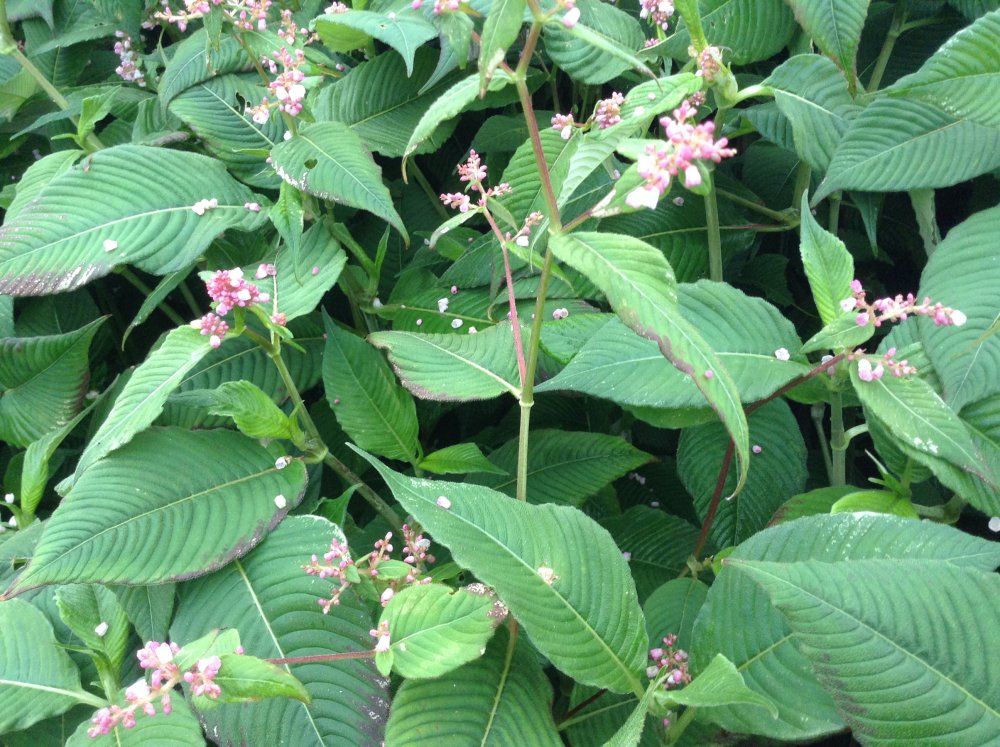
(84, 607)
(630, 733)
(500, 699)
(828, 264)
(435, 629)
(835, 26)
(918, 420)
(149, 609)
(450, 104)
(405, 30)
(137, 196)
(37, 175)
(141, 400)
(739, 621)
(382, 104)
(640, 286)
(301, 280)
(960, 274)
(268, 598)
(749, 30)
(43, 381)
(776, 473)
(875, 501)
(216, 113)
(329, 160)
(743, 331)
(209, 496)
(840, 334)
(500, 30)
(672, 609)
(194, 62)
(370, 406)
(459, 459)
(845, 613)
(244, 679)
(719, 684)
(453, 367)
(818, 501)
(955, 77)
(601, 46)
(565, 466)
(897, 144)
(590, 629)
(180, 726)
(812, 93)
(252, 410)
(288, 217)
(657, 544)
(35, 469)
(37, 677)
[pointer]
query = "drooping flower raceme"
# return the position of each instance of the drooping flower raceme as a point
(473, 173)
(608, 112)
(657, 12)
(897, 309)
(687, 143)
(128, 68)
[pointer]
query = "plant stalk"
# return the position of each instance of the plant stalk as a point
(322, 658)
(838, 440)
(897, 27)
(714, 235)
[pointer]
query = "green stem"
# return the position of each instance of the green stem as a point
(898, 22)
(802, 178)
(834, 223)
(838, 441)
(345, 472)
(755, 206)
(8, 46)
(428, 190)
(682, 723)
(818, 411)
(323, 658)
(714, 235)
(189, 298)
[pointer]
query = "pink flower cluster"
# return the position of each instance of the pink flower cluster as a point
(671, 658)
(229, 289)
(473, 172)
(193, 9)
(287, 87)
(897, 309)
(165, 675)
(213, 326)
(289, 31)
(564, 123)
(128, 68)
(686, 144)
(250, 14)
(338, 564)
(441, 6)
(709, 62)
(657, 12)
(245, 14)
(608, 112)
(873, 369)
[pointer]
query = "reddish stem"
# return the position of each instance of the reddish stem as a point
(318, 658)
(511, 300)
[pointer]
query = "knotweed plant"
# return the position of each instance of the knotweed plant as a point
(499, 372)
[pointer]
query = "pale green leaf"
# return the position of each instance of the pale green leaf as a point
(601, 46)
(149, 608)
(875, 501)
(458, 459)
(329, 160)
(500, 30)
(835, 26)
(84, 607)
(178, 727)
(748, 30)
(37, 176)
(405, 30)
(718, 684)
(672, 609)
(544, 562)
(828, 264)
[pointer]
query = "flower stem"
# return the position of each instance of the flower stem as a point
(838, 441)
(897, 28)
(714, 235)
(755, 206)
(682, 723)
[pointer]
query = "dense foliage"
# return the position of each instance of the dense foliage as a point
(495, 424)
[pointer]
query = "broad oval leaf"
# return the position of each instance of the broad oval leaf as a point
(828, 264)
(169, 505)
(434, 629)
(543, 561)
(751, 29)
(137, 197)
(268, 598)
(924, 689)
(739, 621)
(600, 47)
(329, 160)
(835, 26)
(498, 700)
(641, 288)
(405, 31)
(37, 677)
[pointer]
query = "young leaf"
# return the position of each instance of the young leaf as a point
(405, 31)
(149, 608)
(859, 605)
(875, 501)
(459, 459)
(301, 281)
(329, 160)
(542, 561)
(139, 198)
(434, 629)
(244, 679)
(565, 466)
(43, 380)
(719, 684)
(370, 406)
(828, 264)
(739, 621)
(500, 30)
(752, 29)
(141, 400)
(672, 609)
(598, 48)
(500, 699)
(36, 686)
(182, 502)
(453, 367)
(269, 599)
(251, 409)
(87, 609)
(288, 218)
(641, 288)
(835, 26)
